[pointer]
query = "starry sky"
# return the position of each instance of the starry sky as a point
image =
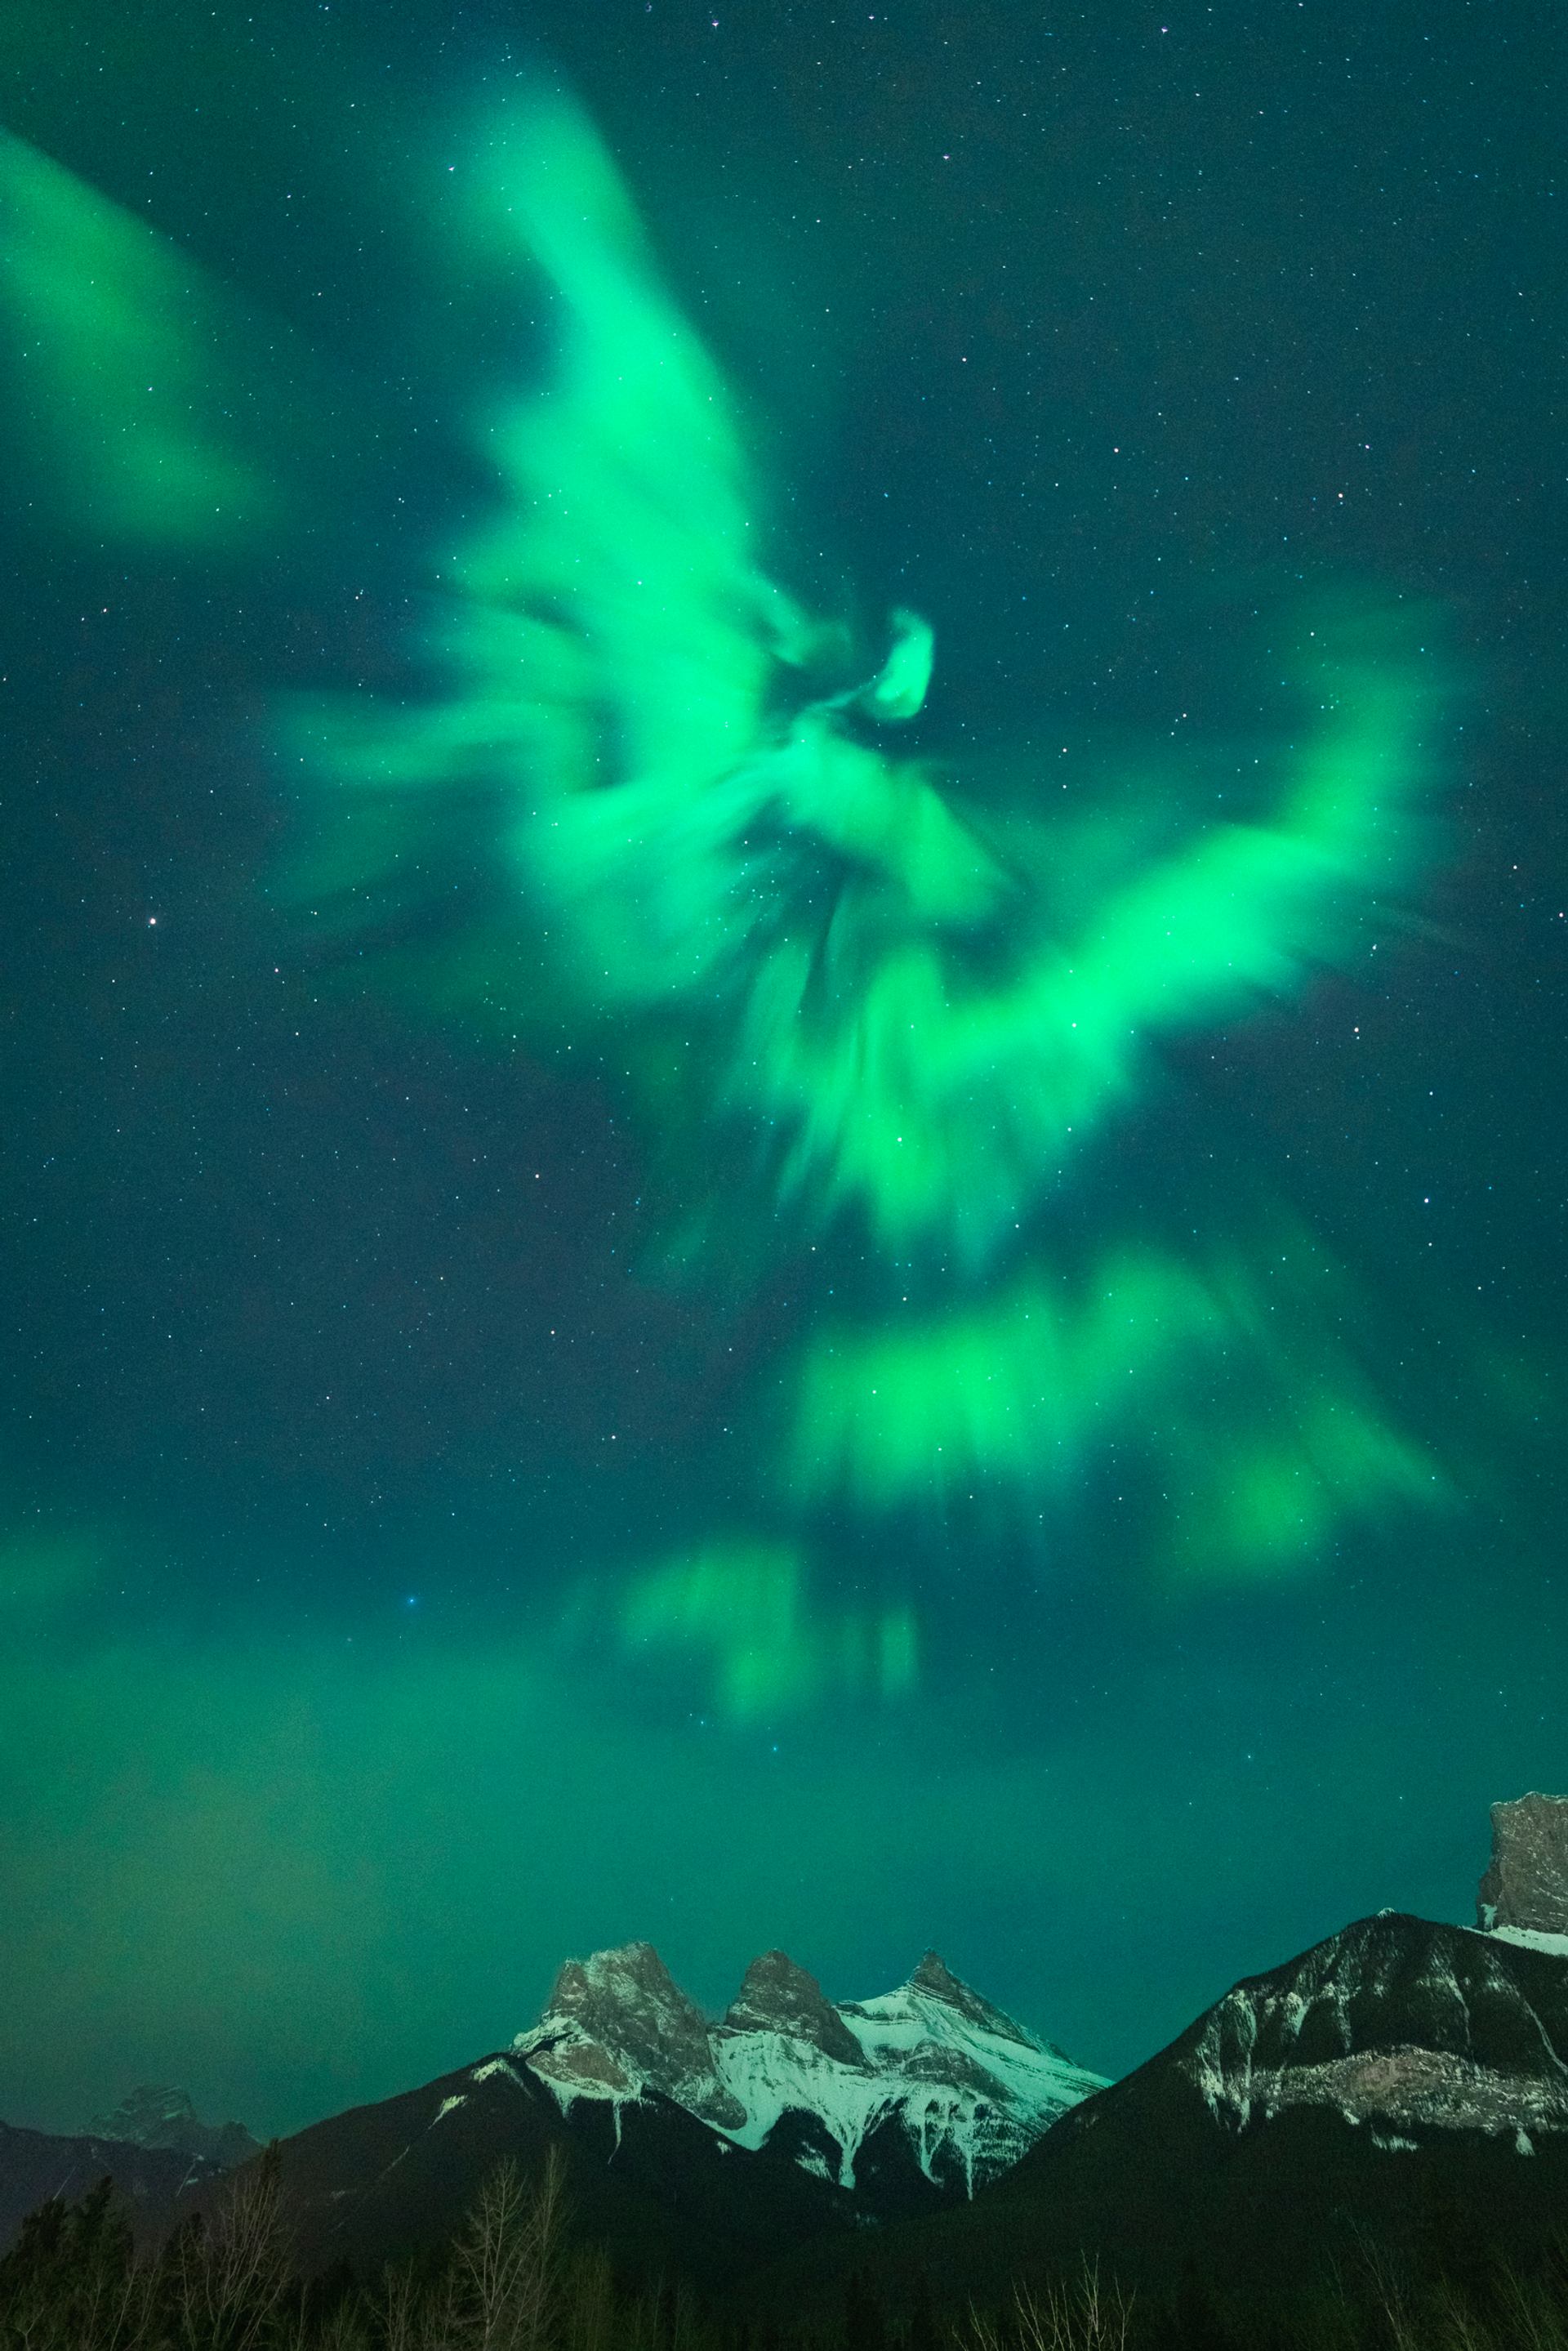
(417, 1558)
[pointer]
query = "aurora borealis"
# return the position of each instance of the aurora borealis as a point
(787, 808)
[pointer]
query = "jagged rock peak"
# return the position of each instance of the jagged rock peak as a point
(1526, 1885)
(617, 2024)
(631, 1976)
(778, 1996)
(960, 2087)
(148, 2107)
(629, 1993)
(154, 2116)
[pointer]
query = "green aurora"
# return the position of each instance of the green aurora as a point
(862, 1008)
(853, 997)
(135, 389)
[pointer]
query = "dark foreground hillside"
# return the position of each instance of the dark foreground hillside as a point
(517, 2277)
(661, 2195)
(37, 2165)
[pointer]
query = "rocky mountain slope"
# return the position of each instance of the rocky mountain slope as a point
(929, 2079)
(1396, 2025)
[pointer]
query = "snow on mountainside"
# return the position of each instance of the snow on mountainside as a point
(1397, 2022)
(967, 2088)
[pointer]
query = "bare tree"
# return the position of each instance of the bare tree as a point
(231, 2277)
(1083, 2316)
(1532, 2316)
(509, 2260)
(402, 2310)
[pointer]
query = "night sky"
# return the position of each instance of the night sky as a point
(446, 1522)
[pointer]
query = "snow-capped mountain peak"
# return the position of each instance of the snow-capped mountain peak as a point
(930, 2070)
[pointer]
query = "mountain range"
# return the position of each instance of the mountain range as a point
(1403, 2084)
(707, 2149)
